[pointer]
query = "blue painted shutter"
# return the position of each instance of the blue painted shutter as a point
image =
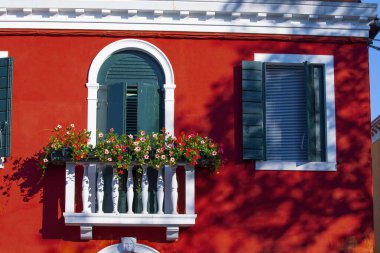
(116, 109)
(253, 110)
(148, 107)
(316, 112)
(286, 128)
(6, 71)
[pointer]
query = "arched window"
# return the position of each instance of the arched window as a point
(130, 95)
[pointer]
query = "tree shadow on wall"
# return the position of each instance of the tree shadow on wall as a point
(243, 210)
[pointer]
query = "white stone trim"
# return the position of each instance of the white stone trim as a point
(257, 17)
(130, 44)
(118, 248)
(328, 60)
(123, 219)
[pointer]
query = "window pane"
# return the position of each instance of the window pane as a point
(286, 127)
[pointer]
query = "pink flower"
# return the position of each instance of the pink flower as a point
(117, 146)
(154, 136)
(135, 143)
(157, 156)
(100, 135)
(72, 125)
(111, 130)
(109, 159)
(214, 153)
(59, 126)
(106, 151)
(137, 149)
(142, 139)
(169, 145)
(45, 160)
(67, 132)
(130, 136)
(146, 156)
(202, 142)
(142, 132)
(163, 157)
(172, 159)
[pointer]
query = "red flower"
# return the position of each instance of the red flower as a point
(121, 172)
(111, 130)
(124, 166)
(120, 157)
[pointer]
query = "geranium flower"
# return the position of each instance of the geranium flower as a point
(117, 146)
(72, 125)
(45, 160)
(135, 143)
(130, 136)
(163, 157)
(59, 126)
(137, 149)
(106, 151)
(111, 130)
(146, 156)
(214, 153)
(202, 142)
(172, 159)
(121, 172)
(157, 156)
(154, 136)
(142, 132)
(109, 159)
(100, 135)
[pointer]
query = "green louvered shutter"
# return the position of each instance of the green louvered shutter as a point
(6, 70)
(315, 112)
(253, 107)
(116, 109)
(148, 108)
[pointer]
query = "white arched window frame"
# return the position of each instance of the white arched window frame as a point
(121, 45)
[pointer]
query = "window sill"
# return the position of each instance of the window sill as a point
(296, 166)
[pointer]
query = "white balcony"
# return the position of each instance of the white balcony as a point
(93, 195)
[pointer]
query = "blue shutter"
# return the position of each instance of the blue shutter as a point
(116, 109)
(316, 112)
(253, 110)
(286, 127)
(148, 107)
(6, 71)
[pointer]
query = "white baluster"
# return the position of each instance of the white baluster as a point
(160, 191)
(70, 188)
(100, 191)
(85, 190)
(115, 191)
(174, 190)
(144, 189)
(130, 190)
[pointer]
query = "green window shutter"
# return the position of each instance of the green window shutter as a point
(102, 103)
(131, 119)
(315, 112)
(6, 71)
(116, 107)
(148, 107)
(253, 108)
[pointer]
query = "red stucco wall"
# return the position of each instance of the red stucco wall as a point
(240, 209)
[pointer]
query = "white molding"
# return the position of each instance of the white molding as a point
(328, 60)
(296, 166)
(118, 248)
(256, 17)
(3, 54)
(2, 159)
(122, 219)
(130, 44)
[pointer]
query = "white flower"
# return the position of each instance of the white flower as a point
(109, 159)
(137, 149)
(163, 157)
(106, 151)
(59, 126)
(157, 166)
(135, 143)
(202, 142)
(67, 132)
(45, 160)
(130, 136)
(100, 135)
(172, 159)
(72, 125)
(214, 153)
(154, 136)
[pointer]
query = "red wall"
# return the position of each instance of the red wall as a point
(240, 209)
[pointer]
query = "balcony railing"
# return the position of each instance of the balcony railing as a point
(93, 195)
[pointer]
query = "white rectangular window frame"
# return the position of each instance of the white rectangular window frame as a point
(330, 164)
(3, 54)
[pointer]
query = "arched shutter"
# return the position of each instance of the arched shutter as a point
(6, 70)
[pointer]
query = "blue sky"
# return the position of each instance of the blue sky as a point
(374, 63)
